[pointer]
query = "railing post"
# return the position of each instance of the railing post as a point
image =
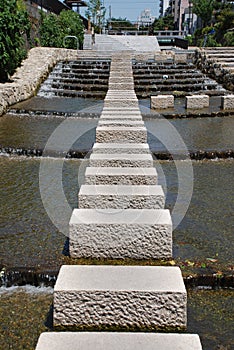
(72, 37)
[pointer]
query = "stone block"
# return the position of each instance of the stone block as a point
(120, 233)
(130, 297)
(197, 101)
(121, 102)
(117, 341)
(120, 122)
(121, 134)
(120, 176)
(120, 117)
(130, 148)
(162, 101)
(122, 86)
(121, 196)
(227, 102)
(121, 160)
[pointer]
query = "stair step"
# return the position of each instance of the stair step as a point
(127, 297)
(121, 134)
(119, 234)
(121, 196)
(121, 160)
(117, 341)
(130, 148)
(120, 176)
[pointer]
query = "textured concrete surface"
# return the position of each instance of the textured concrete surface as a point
(120, 233)
(197, 101)
(120, 117)
(130, 148)
(117, 341)
(121, 134)
(227, 102)
(162, 101)
(120, 296)
(121, 160)
(120, 176)
(118, 196)
(119, 122)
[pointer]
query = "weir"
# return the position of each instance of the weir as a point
(120, 298)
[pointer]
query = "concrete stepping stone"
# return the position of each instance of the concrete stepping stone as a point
(117, 341)
(130, 148)
(120, 233)
(121, 160)
(120, 117)
(120, 176)
(127, 297)
(121, 196)
(121, 134)
(119, 122)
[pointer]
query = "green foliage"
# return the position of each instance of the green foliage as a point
(229, 38)
(204, 10)
(120, 24)
(14, 24)
(54, 28)
(164, 22)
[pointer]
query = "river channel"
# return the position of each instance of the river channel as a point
(203, 240)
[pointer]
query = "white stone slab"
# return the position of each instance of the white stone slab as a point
(162, 101)
(120, 176)
(227, 102)
(121, 102)
(121, 196)
(120, 233)
(130, 148)
(120, 296)
(117, 341)
(121, 134)
(119, 122)
(121, 160)
(197, 101)
(120, 117)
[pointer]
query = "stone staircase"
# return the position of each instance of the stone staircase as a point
(79, 78)
(113, 43)
(120, 215)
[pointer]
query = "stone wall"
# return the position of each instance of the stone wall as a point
(28, 77)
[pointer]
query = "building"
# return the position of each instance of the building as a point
(164, 4)
(145, 18)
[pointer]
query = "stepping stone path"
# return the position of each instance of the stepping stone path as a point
(120, 215)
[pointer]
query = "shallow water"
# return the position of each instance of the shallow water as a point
(197, 134)
(210, 314)
(29, 238)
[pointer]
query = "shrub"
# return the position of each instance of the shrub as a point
(14, 24)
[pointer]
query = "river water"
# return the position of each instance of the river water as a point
(28, 237)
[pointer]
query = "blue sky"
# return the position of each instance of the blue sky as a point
(130, 9)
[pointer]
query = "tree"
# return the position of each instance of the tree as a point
(164, 22)
(14, 25)
(96, 12)
(204, 10)
(54, 28)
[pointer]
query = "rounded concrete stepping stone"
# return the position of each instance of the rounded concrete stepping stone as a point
(121, 134)
(121, 196)
(120, 176)
(120, 233)
(117, 341)
(130, 148)
(121, 160)
(127, 297)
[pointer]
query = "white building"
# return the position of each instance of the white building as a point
(145, 17)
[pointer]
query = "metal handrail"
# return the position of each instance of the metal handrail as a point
(72, 37)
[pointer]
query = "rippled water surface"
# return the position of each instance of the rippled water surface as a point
(200, 133)
(29, 238)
